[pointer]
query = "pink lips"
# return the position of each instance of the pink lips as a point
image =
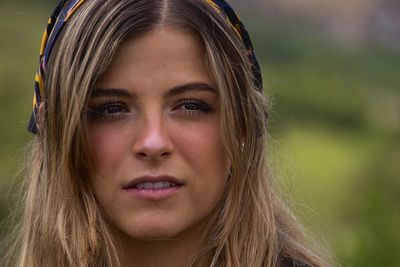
(153, 187)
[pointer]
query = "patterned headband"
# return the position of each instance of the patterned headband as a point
(66, 8)
(225, 10)
(61, 14)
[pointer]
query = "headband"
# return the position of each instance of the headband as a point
(225, 10)
(66, 8)
(61, 14)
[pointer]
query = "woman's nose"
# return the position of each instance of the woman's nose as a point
(152, 142)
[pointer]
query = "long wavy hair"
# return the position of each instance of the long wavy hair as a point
(63, 224)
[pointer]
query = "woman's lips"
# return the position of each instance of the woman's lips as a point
(153, 187)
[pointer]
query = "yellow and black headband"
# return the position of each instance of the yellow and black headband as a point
(65, 9)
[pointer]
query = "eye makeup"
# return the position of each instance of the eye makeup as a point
(188, 101)
(108, 110)
(111, 110)
(193, 107)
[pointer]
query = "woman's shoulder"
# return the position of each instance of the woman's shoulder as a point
(290, 262)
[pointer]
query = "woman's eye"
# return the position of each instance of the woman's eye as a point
(108, 110)
(114, 108)
(193, 107)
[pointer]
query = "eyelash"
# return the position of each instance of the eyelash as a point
(102, 111)
(194, 107)
(198, 106)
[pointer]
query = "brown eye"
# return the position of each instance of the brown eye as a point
(193, 108)
(112, 110)
(194, 105)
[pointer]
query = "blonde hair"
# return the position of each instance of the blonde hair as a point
(63, 225)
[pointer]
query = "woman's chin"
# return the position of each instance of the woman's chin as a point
(156, 231)
(151, 233)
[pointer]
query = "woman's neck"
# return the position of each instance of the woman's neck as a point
(174, 252)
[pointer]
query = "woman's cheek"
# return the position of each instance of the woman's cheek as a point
(107, 147)
(201, 145)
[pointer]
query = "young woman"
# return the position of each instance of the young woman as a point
(150, 141)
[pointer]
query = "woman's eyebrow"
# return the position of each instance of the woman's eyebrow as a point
(115, 92)
(176, 90)
(198, 86)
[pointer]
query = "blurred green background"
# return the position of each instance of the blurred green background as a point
(335, 123)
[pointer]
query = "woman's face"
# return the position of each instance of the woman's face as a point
(158, 159)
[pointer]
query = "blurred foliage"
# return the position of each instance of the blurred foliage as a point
(335, 126)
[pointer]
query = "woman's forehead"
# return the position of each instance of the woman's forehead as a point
(161, 58)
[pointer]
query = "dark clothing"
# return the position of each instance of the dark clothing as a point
(288, 262)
